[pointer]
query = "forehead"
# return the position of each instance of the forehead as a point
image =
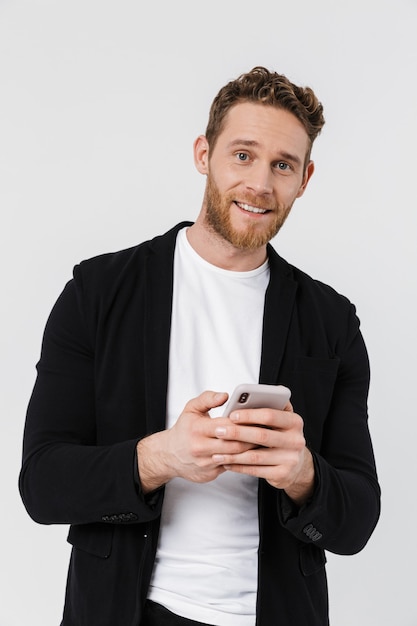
(264, 125)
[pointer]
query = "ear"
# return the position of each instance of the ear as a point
(307, 175)
(201, 154)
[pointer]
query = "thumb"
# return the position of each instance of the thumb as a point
(206, 401)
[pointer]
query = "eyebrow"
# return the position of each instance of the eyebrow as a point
(287, 156)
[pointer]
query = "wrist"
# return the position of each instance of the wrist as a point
(302, 488)
(153, 469)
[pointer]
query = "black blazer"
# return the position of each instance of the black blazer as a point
(101, 386)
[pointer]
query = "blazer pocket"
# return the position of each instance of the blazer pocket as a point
(96, 539)
(312, 559)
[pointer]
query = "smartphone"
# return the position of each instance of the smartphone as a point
(257, 396)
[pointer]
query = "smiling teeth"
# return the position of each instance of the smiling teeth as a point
(251, 209)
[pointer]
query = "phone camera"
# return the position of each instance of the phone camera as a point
(243, 397)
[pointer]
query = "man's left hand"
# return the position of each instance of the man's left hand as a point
(280, 455)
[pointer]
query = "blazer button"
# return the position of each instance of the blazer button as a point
(128, 517)
(312, 532)
(122, 518)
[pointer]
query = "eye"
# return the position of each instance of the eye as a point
(242, 156)
(281, 165)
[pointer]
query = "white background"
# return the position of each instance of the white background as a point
(99, 105)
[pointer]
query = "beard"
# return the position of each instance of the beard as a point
(254, 235)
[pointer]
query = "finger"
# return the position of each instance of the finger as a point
(258, 457)
(263, 437)
(276, 476)
(271, 418)
(206, 401)
(255, 435)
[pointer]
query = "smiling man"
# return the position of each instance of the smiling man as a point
(181, 515)
(255, 171)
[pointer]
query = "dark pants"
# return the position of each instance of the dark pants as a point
(157, 615)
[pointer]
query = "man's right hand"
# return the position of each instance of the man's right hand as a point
(186, 450)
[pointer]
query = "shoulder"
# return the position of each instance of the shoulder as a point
(306, 285)
(317, 303)
(319, 291)
(112, 268)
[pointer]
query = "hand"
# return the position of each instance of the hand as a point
(187, 450)
(278, 450)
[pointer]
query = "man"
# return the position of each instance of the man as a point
(180, 515)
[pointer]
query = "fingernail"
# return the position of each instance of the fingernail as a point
(220, 431)
(218, 458)
(235, 417)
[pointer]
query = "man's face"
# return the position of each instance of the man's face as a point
(254, 174)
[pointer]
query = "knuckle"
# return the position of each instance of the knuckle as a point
(298, 421)
(293, 461)
(231, 433)
(267, 416)
(300, 443)
(196, 449)
(235, 448)
(262, 436)
(254, 457)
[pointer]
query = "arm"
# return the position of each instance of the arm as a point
(76, 467)
(327, 493)
(345, 506)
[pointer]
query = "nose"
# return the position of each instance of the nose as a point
(259, 179)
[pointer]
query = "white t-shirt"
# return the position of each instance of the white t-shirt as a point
(206, 562)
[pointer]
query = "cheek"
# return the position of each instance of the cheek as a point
(225, 183)
(225, 175)
(292, 190)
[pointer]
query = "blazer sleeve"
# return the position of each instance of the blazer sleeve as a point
(345, 507)
(66, 476)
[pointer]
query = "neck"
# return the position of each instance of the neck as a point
(217, 251)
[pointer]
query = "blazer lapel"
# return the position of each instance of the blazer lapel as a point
(279, 304)
(159, 287)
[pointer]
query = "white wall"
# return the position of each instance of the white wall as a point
(99, 105)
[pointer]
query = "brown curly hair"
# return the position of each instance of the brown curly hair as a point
(269, 88)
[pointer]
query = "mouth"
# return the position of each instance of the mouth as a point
(251, 209)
